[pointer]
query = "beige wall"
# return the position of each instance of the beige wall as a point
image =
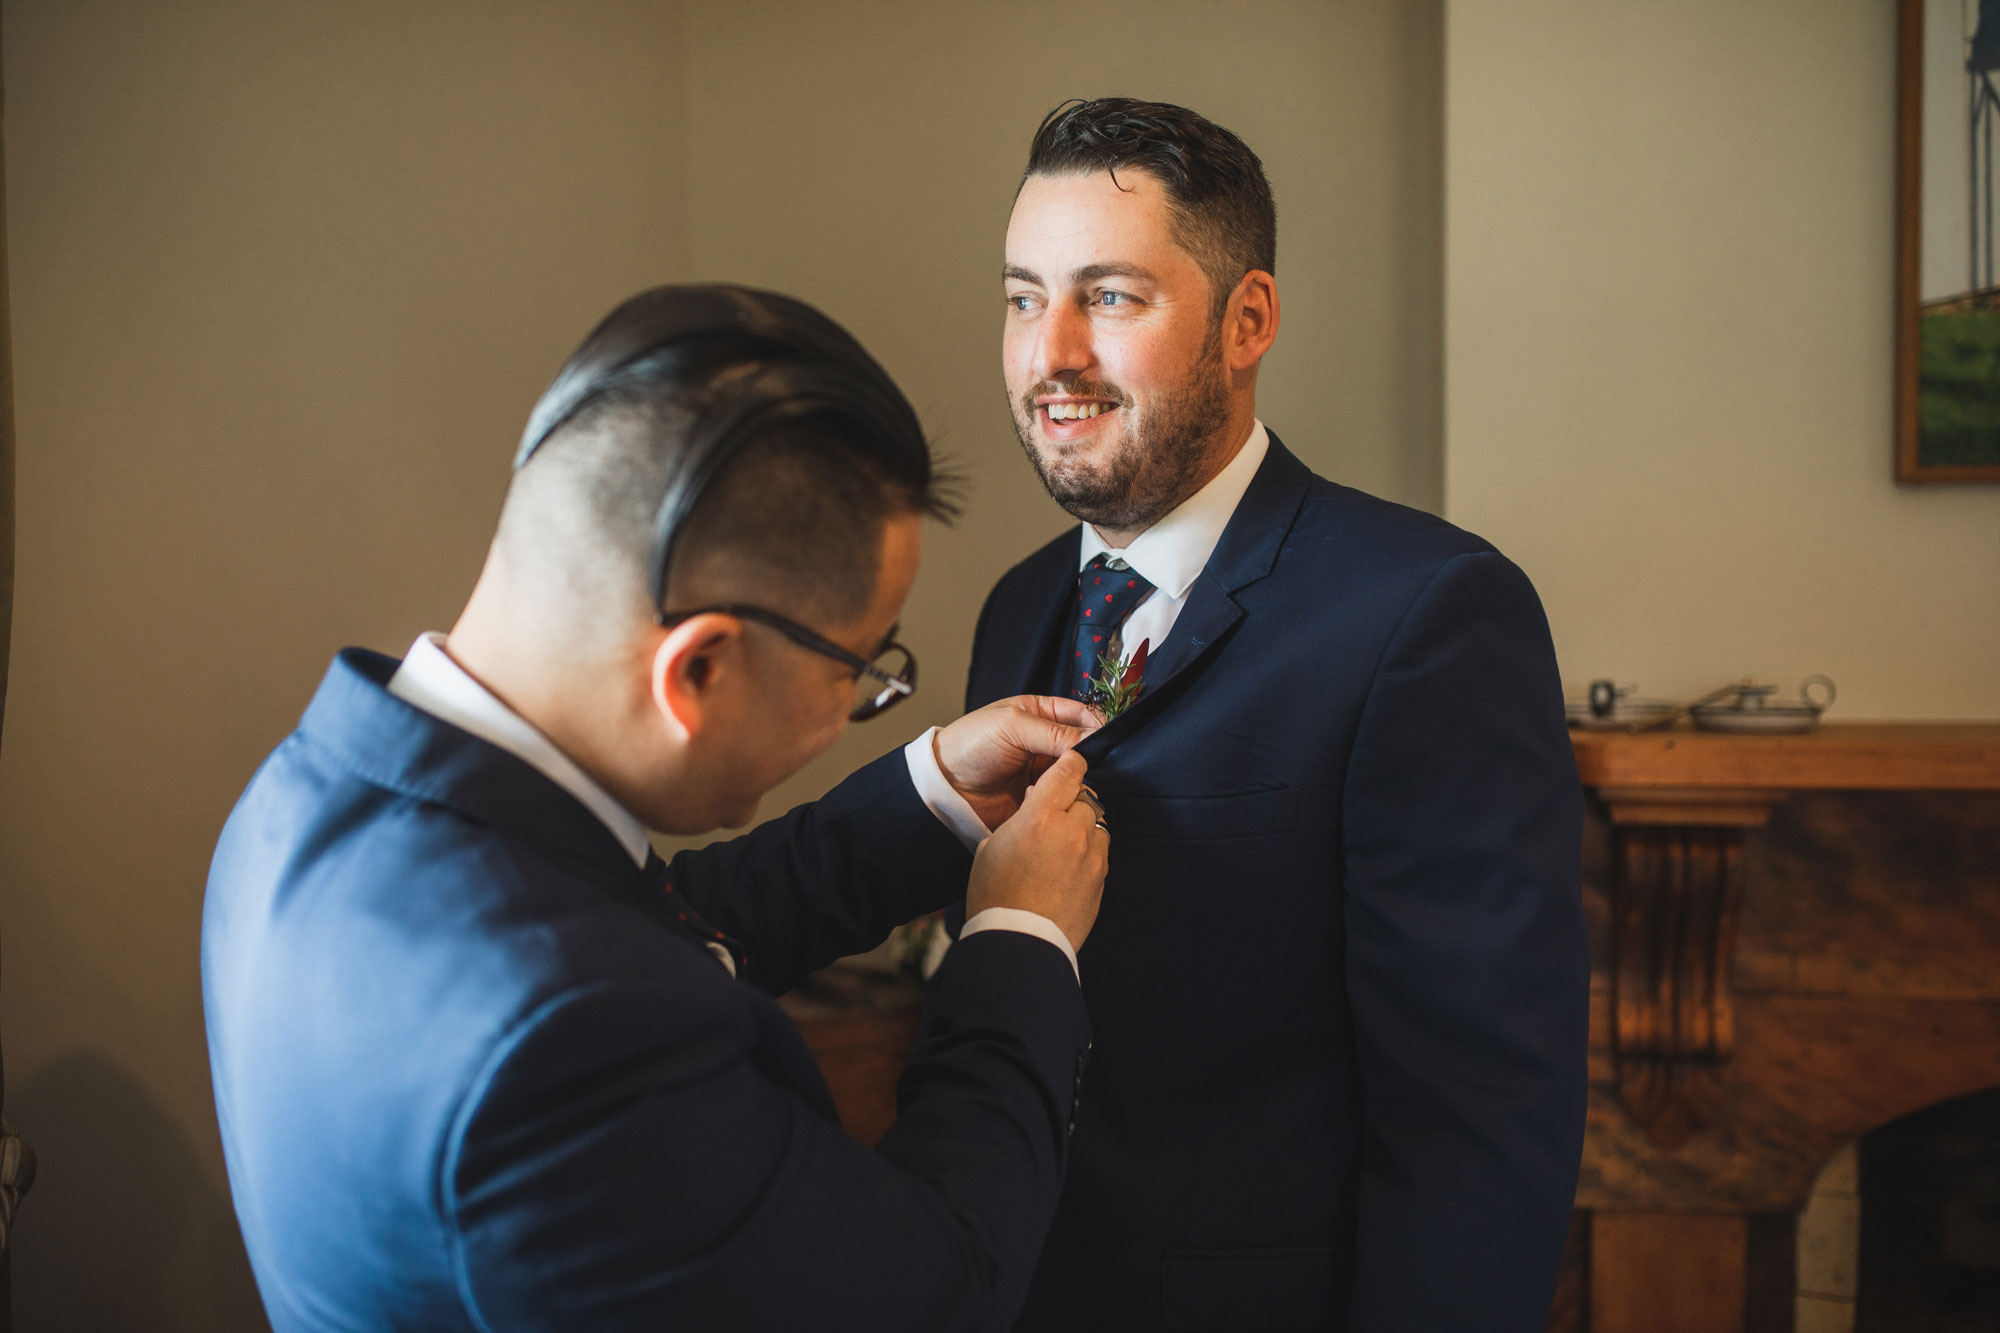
(1669, 240)
(286, 281)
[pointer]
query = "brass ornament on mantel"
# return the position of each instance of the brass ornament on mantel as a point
(1753, 712)
(1742, 707)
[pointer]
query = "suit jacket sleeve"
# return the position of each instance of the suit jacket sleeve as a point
(829, 878)
(1467, 968)
(972, 690)
(629, 1164)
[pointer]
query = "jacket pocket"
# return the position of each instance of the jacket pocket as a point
(1235, 1291)
(1246, 815)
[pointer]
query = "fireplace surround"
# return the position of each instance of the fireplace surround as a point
(1795, 940)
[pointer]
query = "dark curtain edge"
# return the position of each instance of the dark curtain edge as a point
(6, 410)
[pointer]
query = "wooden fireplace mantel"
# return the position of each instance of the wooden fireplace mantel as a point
(1853, 756)
(1794, 939)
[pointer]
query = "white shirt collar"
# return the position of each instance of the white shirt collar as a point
(1173, 552)
(430, 680)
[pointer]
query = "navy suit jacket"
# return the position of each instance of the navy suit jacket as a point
(473, 1073)
(1339, 984)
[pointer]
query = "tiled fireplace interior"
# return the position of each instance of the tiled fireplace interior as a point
(1902, 1232)
(1830, 1247)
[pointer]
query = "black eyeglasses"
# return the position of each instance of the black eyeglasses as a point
(891, 677)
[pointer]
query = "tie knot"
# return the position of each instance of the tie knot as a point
(1108, 591)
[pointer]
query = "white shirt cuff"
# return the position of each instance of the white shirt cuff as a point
(938, 795)
(1027, 923)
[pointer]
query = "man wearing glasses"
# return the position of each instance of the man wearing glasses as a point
(483, 1060)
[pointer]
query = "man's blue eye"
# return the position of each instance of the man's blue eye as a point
(1112, 298)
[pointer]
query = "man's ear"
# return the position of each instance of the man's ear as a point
(1251, 324)
(692, 662)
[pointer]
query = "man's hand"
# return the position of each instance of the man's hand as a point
(1051, 858)
(991, 756)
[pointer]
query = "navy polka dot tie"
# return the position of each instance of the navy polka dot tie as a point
(1107, 596)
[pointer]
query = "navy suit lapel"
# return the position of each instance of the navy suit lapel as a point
(1027, 648)
(1208, 615)
(1246, 552)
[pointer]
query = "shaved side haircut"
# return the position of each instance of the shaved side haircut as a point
(717, 443)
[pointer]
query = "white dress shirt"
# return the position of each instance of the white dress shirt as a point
(429, 679)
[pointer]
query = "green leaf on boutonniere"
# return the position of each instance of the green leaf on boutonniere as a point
(1117, 682)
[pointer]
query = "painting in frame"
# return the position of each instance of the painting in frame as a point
(1947, 289)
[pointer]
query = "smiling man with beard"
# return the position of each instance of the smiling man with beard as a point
(1339, 984)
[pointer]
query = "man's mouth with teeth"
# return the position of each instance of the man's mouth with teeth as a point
(1076, 411)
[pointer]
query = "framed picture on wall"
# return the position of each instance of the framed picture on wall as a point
(1947, 285)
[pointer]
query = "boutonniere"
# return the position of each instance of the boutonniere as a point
(1117, 682)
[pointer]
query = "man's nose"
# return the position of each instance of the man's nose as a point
(1062, 345)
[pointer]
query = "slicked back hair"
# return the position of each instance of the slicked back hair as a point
(715, 428)
(1222, 210)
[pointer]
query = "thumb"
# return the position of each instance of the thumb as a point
(1047, 737)
(1058, 786)
(1070, 711)
(1046, 726)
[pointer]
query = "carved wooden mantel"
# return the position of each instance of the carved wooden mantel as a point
(1760, 998)
(1680, 803)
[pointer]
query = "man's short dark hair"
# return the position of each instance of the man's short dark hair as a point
(1223, 213)
(718, 427)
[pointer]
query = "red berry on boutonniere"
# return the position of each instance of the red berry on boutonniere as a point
(1136, 668)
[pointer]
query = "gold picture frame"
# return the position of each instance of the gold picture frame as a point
(1947, 312)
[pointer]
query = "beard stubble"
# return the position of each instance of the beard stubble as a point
(1147, 476)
